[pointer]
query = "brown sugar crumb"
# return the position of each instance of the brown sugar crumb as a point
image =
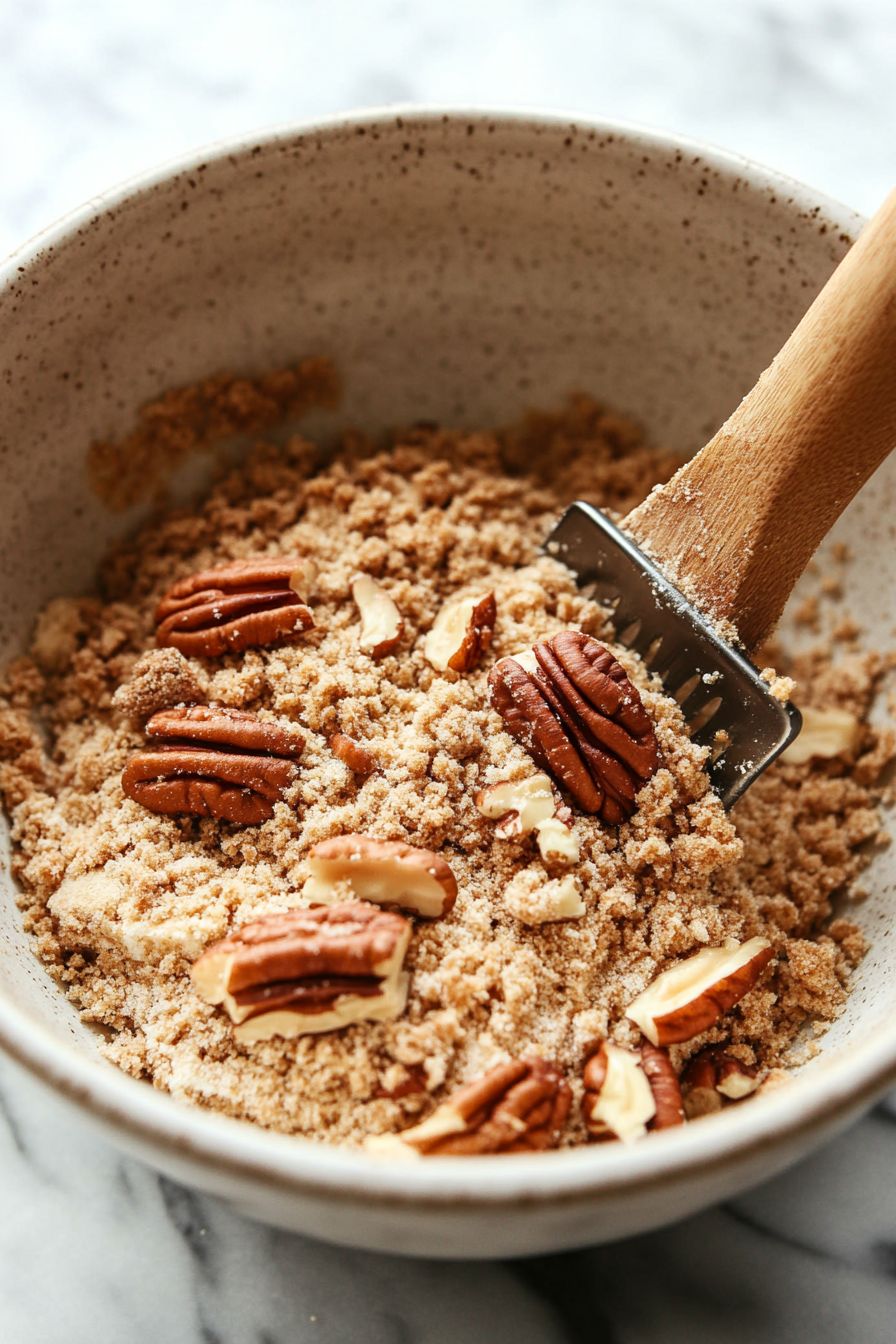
(781, 688)
(189, 418)
(807, 613)
(846, 631)
(160, 679)
(122, 901)
(587, 452)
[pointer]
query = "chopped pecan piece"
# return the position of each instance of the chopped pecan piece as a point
(222, 763)
(714, 1079)
(825, 733)
(531, 804)
(691, 996)
(664, 1085)
(352, 754)
(411, 1082)
(388, 872)
(581, 719)
(301, 580)
(381, 623)
(520, 1107)
(557, 842)
(302, 971)
(243, 605)
(628, 1092)
(461, 633)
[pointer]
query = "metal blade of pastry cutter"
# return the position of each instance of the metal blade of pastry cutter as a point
(715, 685)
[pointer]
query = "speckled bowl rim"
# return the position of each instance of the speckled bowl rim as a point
(815, 1101)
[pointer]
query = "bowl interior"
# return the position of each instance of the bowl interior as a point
(461, 268)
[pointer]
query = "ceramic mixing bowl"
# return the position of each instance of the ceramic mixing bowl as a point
(459, 266)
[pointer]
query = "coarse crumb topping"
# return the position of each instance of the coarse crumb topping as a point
(122, 901)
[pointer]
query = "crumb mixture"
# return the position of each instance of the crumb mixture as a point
(436, 514)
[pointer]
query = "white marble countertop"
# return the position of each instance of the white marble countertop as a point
(94, 1247)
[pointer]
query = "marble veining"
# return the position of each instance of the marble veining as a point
(93, 92)
(96, 1249)
(93, 1246)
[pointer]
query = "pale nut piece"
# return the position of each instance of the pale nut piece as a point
(691, 997)
(302, 578)
(825, 733)
(518, 806)
(461, 633)
(618, 1101)
(387, 872)
(381, 623)
(615, 1104)
(557, 842)
(533, 901)
(714, 1079)
(518, 1107)
(773, 1081)
(528, 805)
(526, 659)
(296, 972)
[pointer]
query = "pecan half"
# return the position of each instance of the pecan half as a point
(302, 971)
(691, 996)
(581, 719)
(461, 633)
(226, 728)
(243, 605)
(388, 872)
(519, 1107)
(714, 1079)
(222, 763)
(628, 1092)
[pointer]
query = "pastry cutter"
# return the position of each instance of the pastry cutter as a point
(698, 574)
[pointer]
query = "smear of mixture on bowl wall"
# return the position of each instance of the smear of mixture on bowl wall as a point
(342, 810)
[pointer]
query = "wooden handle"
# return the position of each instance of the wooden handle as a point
(737, 525)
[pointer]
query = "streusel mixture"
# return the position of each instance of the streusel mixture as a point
(436, 514)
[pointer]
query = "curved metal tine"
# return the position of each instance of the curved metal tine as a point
(653, 650)
(677, 673)
(687, 689)
(624, 616)
(666, 670)
(630, 633)
(704, 715)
